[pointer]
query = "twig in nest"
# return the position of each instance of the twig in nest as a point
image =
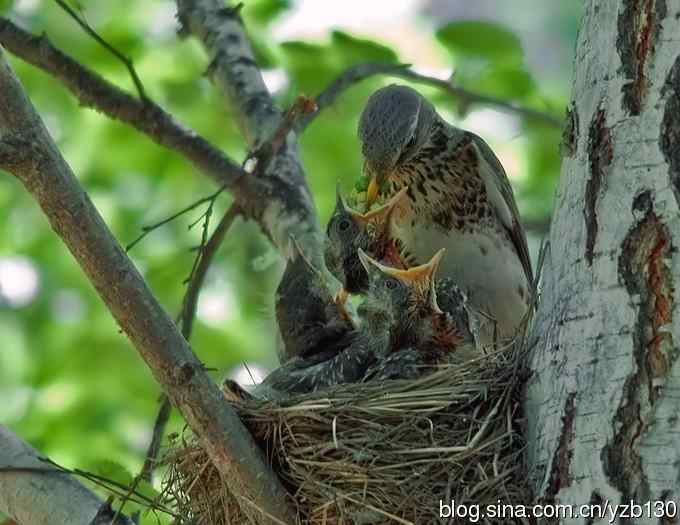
(120, 56)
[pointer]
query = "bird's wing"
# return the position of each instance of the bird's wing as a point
(502, 200)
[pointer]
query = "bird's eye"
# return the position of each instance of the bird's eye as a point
(411, 142)
(344, 225)
(391, 284)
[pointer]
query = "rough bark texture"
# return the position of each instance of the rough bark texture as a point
(30, 494)
(602, 401)
(27, 150)
(285, 207)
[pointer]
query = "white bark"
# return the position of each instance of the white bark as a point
(32, 497)
(285, 208)
(602, 402)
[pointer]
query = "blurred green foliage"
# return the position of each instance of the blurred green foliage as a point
(72, 385)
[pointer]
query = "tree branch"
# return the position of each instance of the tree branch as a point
(120, 56)
(198, 276)
(186, 318)
(356, 74)
(32, 492)
(93, 91)
(288, 210)
(232, 67)
(182, 376)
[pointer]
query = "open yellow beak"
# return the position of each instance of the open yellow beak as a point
(423, 273)
(381, 214)
(415, 274)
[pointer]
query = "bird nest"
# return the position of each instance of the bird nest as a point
(384, 452)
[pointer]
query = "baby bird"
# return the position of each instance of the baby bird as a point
(310, 318)
(403, 331)
(348, 230)
(411, 298)
(458, 198)
(345, 362)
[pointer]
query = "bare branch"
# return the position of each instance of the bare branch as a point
(267, 150)
(187, 315)
(31, 492)
(146, 230)
(232, 67)
(360, 72)
(182, 376)
(93, 91)
(120, 56)
(288, 210)
(156, 439)
(205, 259)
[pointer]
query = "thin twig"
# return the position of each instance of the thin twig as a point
(152, 453)
(156, 439)
(205, 258)
(146, 230)
(120, 56)
(93, 91)
(267, 151)
(361, 72)
(110, 485)
(204, 238)
(202, 263)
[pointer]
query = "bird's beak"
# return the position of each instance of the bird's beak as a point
(423, 274)
(341, 296)
(367, 261)
(372, 192)
(376, 178)
(417, 274)
(382, 213)
(340, 300)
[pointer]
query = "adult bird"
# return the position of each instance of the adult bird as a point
(458, 197)
(348, 230)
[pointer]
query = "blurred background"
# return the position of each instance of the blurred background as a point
(70, 383)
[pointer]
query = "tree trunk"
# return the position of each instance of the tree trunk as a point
(602, 399)
(32, 491)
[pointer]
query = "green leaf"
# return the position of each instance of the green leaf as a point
(264, 53)
(510, 83)
(311, 66)
(5, 6)
(264, 12)
(361, 184)
(355, 50)
(476, 39)
(114, 472)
